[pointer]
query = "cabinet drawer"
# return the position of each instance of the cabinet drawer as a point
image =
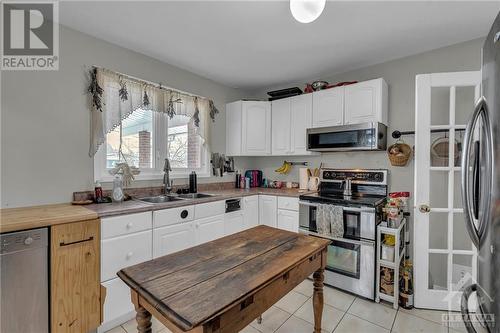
(170, 216)
(117, 302)
(124, 251)
(288, 203)
(209, 209)
(125, 224)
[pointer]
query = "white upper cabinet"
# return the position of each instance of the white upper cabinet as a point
(366, 102)
(256, 128)
(248, 128)
(301, 119)
(233, 128)
(328, 107)
(290, 119)
(281, 113)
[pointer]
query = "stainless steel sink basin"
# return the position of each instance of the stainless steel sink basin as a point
(159, 199)
(195, 195)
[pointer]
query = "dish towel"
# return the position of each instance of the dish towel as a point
(330, 220)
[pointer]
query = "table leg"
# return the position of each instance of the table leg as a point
(143, 318)
(318, 277)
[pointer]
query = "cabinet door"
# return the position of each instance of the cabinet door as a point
(280, 124)
(233, 128)
(251, 212)
(233, 222)
(117, 304)
(256, 128)
(209, 228)
(75, 277)
(267, 210)
(173, 238)
(288, 220)
(365, 102)
(328, 107)
(301, 120)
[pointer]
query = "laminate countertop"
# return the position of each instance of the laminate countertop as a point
(15, 219)
(136, 206)
(23, 218)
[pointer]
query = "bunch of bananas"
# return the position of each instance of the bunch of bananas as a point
(285, 168)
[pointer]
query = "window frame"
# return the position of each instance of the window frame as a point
(159, 153)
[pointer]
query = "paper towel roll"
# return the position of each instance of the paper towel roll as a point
(303, 178)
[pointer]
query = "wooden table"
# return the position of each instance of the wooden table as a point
(223, 285)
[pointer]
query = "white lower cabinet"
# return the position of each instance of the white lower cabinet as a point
(173, 238)
(118, 308)
(267, 210)
(233, 222)
(124, 251)
(250, 212)
(288, 220)
(209, 228)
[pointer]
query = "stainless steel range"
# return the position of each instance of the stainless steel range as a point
(361, 194)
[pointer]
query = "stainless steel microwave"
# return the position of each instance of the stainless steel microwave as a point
(365, 136)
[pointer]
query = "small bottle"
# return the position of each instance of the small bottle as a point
(247, 182)
(98, 191)
(237, 181)
(118, 195)
(242, 181)
(193, 183)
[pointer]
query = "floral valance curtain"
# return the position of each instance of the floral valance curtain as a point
(114, 96)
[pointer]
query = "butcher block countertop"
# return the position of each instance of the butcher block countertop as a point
(222, 279)
(15, 219)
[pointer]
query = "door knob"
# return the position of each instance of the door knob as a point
(424, 208)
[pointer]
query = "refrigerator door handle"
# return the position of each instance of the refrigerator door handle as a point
(464, 307)
(480, 111)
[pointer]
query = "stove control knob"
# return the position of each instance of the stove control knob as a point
(326, 175)
(377, 177)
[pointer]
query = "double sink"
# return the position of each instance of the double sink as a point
(169, 198)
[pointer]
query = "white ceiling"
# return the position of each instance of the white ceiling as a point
(256, 44)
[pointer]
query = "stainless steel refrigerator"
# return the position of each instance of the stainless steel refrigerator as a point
(481, 188)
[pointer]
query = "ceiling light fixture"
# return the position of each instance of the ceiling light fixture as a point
(306, 11)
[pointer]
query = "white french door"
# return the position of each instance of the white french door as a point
(445, 261)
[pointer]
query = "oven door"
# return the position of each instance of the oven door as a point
(359, 222)
(350, 265)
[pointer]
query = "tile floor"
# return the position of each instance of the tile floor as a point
(342, 313)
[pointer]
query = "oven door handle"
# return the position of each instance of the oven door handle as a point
(345, 240)
(347, 209)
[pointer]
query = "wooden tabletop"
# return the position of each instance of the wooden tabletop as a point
(14, 219)
(192, 286)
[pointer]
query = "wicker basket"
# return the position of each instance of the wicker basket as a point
(440, 152)
(402, 158)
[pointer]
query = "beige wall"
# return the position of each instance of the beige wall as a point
(45, 121)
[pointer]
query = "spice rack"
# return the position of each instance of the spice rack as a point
(385, 264)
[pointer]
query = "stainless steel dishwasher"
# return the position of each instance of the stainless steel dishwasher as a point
(24, 275)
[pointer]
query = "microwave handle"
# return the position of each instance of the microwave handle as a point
(347, 209)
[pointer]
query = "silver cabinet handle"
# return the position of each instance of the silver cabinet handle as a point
(480, 110)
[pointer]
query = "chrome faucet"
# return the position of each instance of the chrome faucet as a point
(167, 184)
(347, 187)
